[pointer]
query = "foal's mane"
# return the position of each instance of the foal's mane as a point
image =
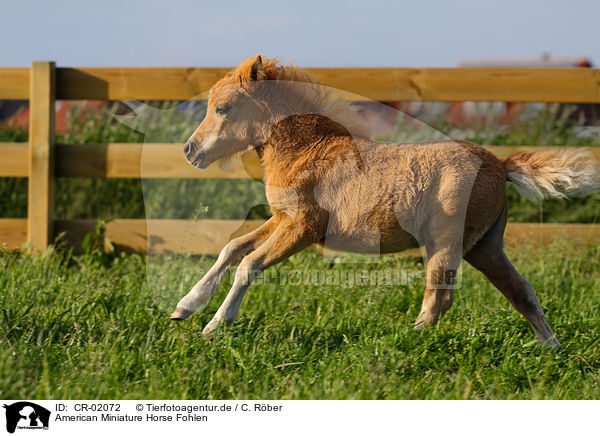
(272, 69)
(314, 95)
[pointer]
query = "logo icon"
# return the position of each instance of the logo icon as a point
(26, 415)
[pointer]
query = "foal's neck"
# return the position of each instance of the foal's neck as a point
(301, 136)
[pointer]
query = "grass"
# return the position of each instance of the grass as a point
(73, 329)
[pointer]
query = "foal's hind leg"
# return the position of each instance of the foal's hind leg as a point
(496, 266)
(442, 266)
(488, 257)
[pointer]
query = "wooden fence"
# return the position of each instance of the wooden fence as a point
(41, 160)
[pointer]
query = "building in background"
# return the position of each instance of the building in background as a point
(508, 113)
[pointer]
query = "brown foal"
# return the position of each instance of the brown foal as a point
(327, 184)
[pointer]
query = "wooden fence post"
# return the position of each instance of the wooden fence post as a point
(42, 92)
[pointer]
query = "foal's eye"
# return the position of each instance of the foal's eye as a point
(221, 108)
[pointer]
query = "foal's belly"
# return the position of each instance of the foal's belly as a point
(365, 239)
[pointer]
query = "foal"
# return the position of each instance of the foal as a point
(327, 184)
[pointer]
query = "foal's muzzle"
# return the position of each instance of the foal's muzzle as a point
(193, 155)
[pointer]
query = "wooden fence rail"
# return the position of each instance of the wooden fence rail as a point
(159, 161)
(41, 160)
(566, 85)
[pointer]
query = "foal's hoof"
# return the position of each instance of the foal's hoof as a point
(419, 327)
(180, 314)
(211, 328)
(552, 344)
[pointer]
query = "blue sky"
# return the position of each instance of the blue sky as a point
(313, 33)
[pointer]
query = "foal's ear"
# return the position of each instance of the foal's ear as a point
(252, 69)
(257, 72)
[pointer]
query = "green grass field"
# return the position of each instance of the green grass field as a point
(75, 329)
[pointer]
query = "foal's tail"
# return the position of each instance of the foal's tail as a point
(557, 173)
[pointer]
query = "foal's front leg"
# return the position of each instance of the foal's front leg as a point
(290, 237)
(200, 294)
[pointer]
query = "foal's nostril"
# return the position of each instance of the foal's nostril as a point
(190, 147)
